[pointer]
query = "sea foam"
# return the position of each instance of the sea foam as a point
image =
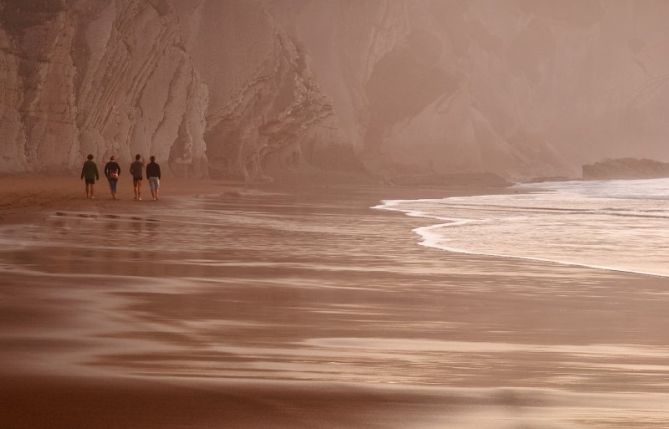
(616, 225)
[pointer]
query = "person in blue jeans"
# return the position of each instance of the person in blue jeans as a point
(112, 172)
(153, 174)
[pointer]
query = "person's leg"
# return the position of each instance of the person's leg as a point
(92, 190)
(152, 186)
(139, 189)
(157, 189)
(134, 187)
(89, 189)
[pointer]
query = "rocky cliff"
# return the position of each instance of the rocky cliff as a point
(255, 88)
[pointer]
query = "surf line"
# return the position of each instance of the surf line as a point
(430, 240)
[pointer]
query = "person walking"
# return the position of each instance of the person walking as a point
(136, 171)
(112, 171)
(153, 174)
(89, 172)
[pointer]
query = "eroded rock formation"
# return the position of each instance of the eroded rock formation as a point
(255, 88)
(98, 77)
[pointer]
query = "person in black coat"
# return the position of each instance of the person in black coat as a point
(136, 171)
(90, 172)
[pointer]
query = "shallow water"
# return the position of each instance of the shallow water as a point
(326, 290)
(617, 225)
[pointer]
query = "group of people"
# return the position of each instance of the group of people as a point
(112, 171)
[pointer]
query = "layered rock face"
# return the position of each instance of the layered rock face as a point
(251, 89)
(98, 77)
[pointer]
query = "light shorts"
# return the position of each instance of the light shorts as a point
(154, 183)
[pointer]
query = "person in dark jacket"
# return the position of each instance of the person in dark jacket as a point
(136, 171)
(112, 171)
(153, 174)
(89, 172)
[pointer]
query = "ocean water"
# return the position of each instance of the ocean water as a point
(619, 225)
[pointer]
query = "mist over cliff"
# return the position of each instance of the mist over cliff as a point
(252, 89)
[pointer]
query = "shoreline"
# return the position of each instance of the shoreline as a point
(27, 198)
(427, 240)
(612, 189)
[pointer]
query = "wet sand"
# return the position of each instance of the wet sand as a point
(262, 308)
(28, 197)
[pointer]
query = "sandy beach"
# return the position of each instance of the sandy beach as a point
(225, 306)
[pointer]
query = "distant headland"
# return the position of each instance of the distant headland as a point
(625, 168)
